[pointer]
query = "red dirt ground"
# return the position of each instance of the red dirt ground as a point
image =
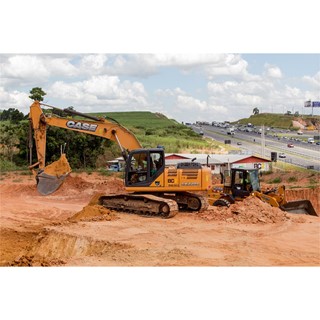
(57, 230)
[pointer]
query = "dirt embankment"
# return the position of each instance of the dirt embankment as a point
(60, 229)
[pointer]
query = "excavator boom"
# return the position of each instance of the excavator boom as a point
(49, 178)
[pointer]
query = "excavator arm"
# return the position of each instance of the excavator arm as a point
(51, 177)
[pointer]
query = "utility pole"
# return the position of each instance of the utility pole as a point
(263, 144)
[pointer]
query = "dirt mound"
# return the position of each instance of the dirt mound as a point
(18, 188)
(93, 213)
(112, 185)
(250, 211)
(74, 183)
(77, 183)
(54, 246)
(59, 167)
(31, 261)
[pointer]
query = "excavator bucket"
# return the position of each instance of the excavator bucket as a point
(51, 177)
(299, 206)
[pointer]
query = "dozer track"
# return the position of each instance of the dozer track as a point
(141, 204)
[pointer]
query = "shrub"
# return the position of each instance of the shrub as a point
(276, 180)
(292, 179)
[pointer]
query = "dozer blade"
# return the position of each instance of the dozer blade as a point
(299, 206)
(51, 177)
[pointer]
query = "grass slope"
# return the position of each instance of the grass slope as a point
(276, 120)
(153, 129)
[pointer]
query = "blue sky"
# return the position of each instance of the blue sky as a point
(186, 87)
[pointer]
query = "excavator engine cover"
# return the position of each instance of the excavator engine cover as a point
(51, 177)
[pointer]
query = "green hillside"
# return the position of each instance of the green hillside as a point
(136, 119)
(278, 120)
(153, 129)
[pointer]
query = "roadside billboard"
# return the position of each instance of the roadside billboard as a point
(312, 104)
(315, 104)
(307, 104)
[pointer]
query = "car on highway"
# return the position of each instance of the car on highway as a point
(239, 143)
(290, 145)
(282, 155)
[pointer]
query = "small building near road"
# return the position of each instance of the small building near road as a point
(221, 162)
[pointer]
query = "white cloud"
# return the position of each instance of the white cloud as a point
(183, 60)
(20, 70)
(24, 67)
(273, 71)
(148, 64)
(185, 107)
(94, 61)
(14, 99)
(229, 65)
(314, 81)
(101, 91)
(233, 93)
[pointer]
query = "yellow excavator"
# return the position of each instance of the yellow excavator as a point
(151, 187)
(238, 184)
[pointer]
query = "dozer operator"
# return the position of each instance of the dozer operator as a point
(237, 184)
(151, 187)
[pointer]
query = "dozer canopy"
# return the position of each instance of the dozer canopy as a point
(50, 178)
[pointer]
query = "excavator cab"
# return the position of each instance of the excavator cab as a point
(143, 166)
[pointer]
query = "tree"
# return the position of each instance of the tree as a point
(9, 140)
(37, 94)
(255, 110)
(296, 114)
(12, 114)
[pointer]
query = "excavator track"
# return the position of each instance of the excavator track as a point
(141, 204)
(188, 201)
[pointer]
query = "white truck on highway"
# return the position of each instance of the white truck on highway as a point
(230, 130)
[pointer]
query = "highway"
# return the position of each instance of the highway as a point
(302, 154)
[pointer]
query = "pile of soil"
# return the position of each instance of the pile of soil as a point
(32, 261)
(82, 183)
(93, 213)
(74, 183)
(111, 185)
(250, 211)
(59, 167)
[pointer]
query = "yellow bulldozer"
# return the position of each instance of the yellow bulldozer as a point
(237, 184)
